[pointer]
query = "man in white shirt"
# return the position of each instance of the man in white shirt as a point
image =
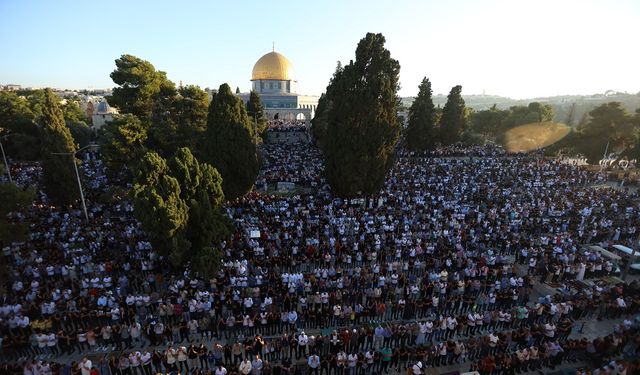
(134, 362)
(135, 331)
(245, 367)
(221, 370)
(352, 361)
(85, 366)
(549, 330)
(182, 359)
(417, 368)
(145, 359)
(170, 355)
(368, 361)
(303, 340)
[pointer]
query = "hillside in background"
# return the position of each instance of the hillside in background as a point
(569, 109)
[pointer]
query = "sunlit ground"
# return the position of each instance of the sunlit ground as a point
(535, 135)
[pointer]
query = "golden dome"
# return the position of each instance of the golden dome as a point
(273, 66)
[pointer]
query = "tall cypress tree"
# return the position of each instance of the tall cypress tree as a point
(362, 124)
(454, 118)
(122, 144)
(320, 122)
(58, 171)
(228, 143)
(201, 190)
(255, 110)
(422, 117)
(159, 206)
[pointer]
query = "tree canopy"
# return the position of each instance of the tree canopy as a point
(190, 112)
(610, 123)
(454, 117)
(362, 128)
(179, 204)
(533, 112)
(255, 110)
(138, 85)
(159, 206)
(228, 144)
(420, 132)
(122, 143)
(13, 198)
(58, 171)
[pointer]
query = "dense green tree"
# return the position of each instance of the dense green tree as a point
(488, 122)
(190, 113)
(159, 206)
(201, 190)
(611, 123)
(228, 143)
(606, 124)
(422, 114)
(72, 112)
(320, 122)
(13, 198)
(17, 118)
(207, 262)
(544, 111)
(362, 125)
(163, 128)
(179, 118)
(14, 109)
(122, 143)
(534, 112)
(255, 110)
(58, 170)
(179, 204)
(454, 117)
(138, 86)
(37, 102)
(80, 132)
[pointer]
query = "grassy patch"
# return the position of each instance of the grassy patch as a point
(533, 136)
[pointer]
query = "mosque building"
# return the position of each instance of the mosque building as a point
(274, 79)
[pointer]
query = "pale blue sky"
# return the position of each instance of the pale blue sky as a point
(516, 48)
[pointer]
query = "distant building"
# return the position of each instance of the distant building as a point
(11, 87)
(102, 114)
(89, 109)
(273, 78)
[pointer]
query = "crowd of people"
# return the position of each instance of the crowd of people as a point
(440, 268)
(287, 126)
(297, 163)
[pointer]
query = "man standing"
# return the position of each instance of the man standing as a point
(170, 355)
(245, 367)
(417, 368)
(314, 363)
(145, 358)
(134, 363)
(256, 365)
(303, 340)
(85, 366)
(386, 359)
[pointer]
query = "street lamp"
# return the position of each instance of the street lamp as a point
(6, 164)
(75, 166)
